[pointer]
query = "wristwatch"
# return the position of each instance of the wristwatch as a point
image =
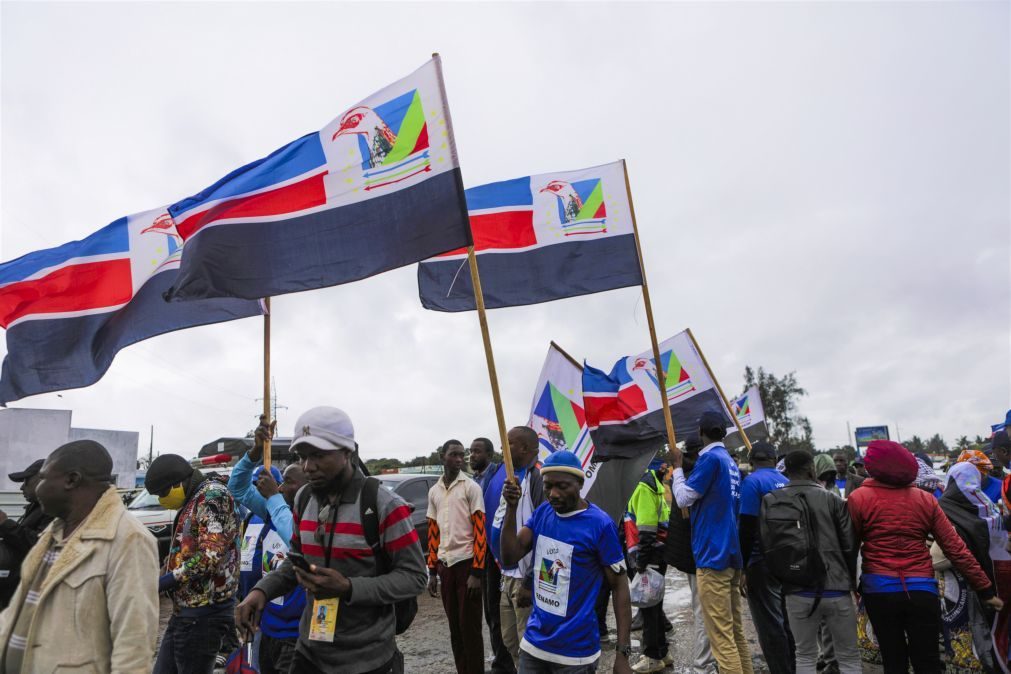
(625, 650)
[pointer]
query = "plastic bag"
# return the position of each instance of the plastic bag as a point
(646, 588)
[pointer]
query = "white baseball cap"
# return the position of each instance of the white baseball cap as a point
(326, 428)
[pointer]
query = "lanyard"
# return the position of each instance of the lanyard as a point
(329, 544)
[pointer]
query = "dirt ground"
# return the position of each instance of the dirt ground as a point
(426, 646)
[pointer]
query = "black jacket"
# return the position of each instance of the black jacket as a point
(835, 533)
(19, 536)
(677, 549)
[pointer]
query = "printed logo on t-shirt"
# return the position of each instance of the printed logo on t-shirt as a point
(249, 546)
(554, 569)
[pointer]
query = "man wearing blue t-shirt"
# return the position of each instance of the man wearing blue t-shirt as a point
(713, 492)
(575, 546)
(765, 594)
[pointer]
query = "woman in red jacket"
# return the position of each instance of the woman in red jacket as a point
(892, 519)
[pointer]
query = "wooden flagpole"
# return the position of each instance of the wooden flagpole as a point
(737, 422)
(661, 376)
(266, 382)
(475, 279)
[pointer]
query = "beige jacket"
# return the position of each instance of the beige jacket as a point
(98, 607)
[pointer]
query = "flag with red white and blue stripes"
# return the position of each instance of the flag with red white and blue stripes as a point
(377, 188)
(540, 238)
(624, 410)
(68, 310)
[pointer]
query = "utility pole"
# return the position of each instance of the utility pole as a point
(150, 448)
(274, 406)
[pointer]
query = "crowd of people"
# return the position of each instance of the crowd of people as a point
(317, 568)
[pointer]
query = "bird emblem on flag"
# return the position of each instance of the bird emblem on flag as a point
(164, 224)
(392, 139)
(581, 208)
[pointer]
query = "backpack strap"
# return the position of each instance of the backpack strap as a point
(816, 549)
(368, 504)
(302, 500)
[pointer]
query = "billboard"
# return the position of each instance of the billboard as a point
(863, 435)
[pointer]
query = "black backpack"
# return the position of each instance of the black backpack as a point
(406, 609)
(789, 536)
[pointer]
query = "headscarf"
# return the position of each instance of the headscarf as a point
(975, 517)
(889, 462)
(926, 478)
(976, 458)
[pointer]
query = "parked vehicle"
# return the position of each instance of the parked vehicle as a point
(413, 488)
(151, 514)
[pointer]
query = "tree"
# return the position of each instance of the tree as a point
(379, 465)
(936, 445)
(963, 442)
(915, 445)
(788, 430)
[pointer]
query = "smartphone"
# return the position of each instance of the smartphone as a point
(298, 560)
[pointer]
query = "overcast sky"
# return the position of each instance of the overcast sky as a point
(820, 188)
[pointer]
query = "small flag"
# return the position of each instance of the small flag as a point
(540, 238)
(377, 188)
(751, 414)
(624, 410)
(557, 415)
(68, 310)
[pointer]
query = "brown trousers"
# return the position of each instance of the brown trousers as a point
(465, 617)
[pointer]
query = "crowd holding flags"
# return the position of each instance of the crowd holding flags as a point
(377, 188)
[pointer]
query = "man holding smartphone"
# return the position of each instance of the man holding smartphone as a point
(349, 622)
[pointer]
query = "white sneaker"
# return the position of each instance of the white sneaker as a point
(648, 664)
(668, 660)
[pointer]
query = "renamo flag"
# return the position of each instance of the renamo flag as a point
(68, 310)
(377, 188)
(540, 238)
(624, 410)
(557, 412)
(751, 415)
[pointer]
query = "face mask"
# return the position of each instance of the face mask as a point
(175, 498)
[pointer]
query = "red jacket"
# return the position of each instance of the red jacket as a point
(893, 523)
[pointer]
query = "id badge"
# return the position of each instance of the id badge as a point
(324, 619)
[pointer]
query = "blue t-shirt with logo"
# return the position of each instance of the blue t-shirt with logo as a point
(570, 554)
(714, 516)
(754, 487)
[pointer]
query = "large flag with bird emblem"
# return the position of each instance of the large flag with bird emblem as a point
(540, 238)
(377, 188)
(624, 410)
(557, 415)
(68, 310)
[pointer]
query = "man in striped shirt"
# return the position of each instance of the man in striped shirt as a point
(344, 575)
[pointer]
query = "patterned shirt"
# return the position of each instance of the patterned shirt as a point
(19, 635)
(204, 557)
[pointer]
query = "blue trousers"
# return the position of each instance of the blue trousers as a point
(190, 644)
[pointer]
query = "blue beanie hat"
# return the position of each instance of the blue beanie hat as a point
(274, 473)
(563, 461)
(655, 464)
